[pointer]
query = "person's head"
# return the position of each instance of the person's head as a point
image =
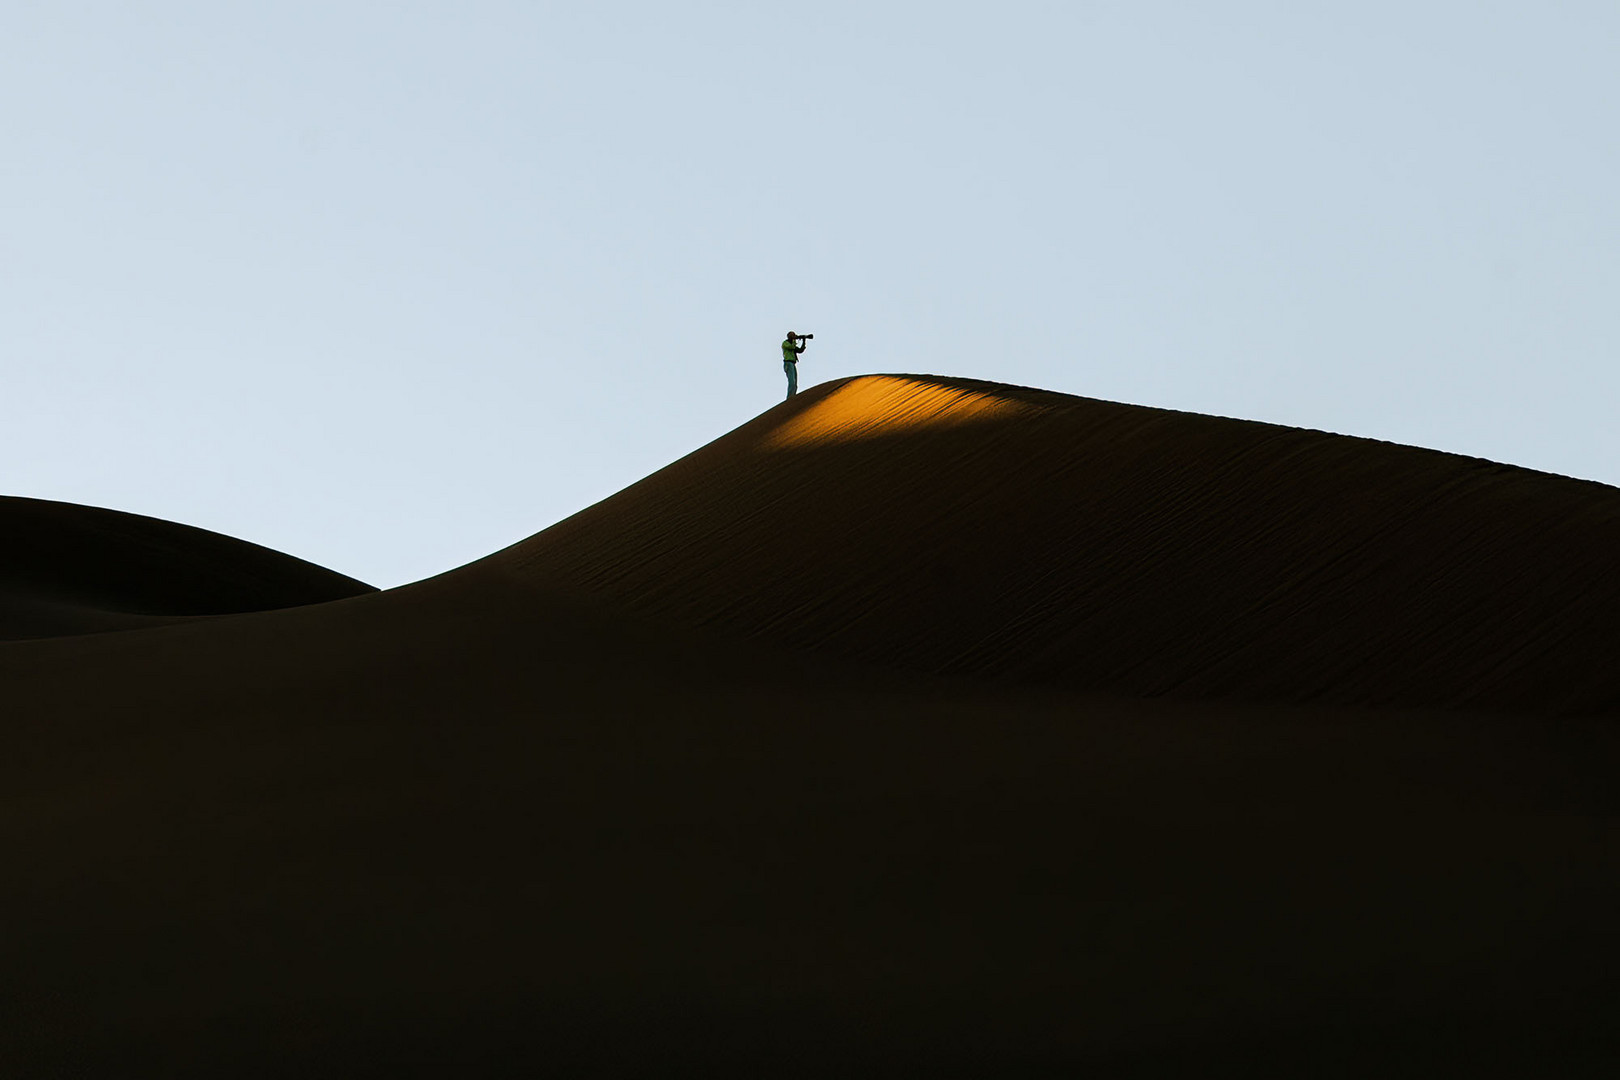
(791, 335)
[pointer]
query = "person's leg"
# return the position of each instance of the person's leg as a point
(793, 377)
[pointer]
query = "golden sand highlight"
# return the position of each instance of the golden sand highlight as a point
(882, 405)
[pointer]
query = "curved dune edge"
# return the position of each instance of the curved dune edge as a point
(68, 569)
(957, 527)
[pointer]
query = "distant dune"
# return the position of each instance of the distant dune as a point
(68, 569)
(919, 726)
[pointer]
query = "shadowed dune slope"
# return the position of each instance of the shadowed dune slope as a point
(67, 569)
(491, 825)
(953, 526)
(469, 828)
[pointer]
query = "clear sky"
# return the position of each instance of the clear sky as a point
(390, 285)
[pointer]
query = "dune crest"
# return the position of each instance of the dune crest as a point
(879, 405)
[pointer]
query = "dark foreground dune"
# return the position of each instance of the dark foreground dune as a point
(917, 727)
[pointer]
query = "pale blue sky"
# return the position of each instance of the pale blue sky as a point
(391, 285)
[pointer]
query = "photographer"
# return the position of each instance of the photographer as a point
(792, 346)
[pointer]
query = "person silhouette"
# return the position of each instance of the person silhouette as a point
(792, 346)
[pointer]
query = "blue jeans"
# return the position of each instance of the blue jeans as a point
(792, 370)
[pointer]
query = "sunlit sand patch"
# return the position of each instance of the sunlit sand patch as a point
(885, 405)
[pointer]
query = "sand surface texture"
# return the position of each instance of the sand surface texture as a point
(919, 726)
(975, 529)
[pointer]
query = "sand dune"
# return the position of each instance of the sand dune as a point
(957, 527)
(792, 760)
(67, 569)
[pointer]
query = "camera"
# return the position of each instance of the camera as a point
(804, 337)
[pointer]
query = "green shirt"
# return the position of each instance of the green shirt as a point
(790, 351)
